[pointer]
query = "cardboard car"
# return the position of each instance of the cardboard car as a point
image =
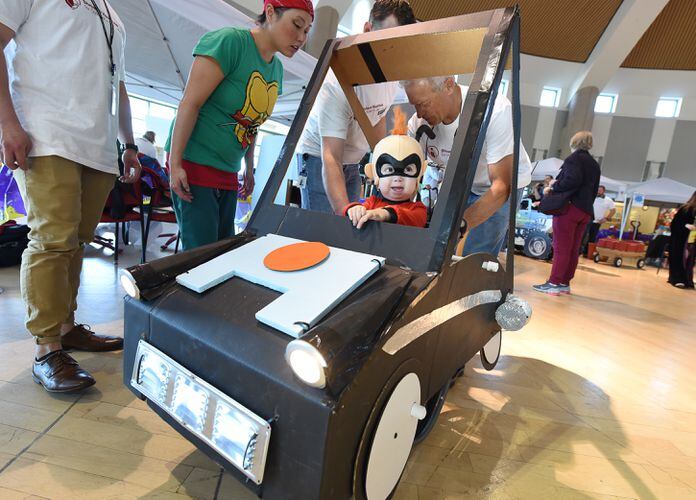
(315, 384)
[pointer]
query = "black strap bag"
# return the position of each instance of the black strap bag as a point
(13, 241)
(555, 203)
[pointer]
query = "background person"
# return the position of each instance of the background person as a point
(579, 181)
(537, 192)
(146, 144)
(333, 143)
(231, 91)
(61, 141)
(438, 102)
(681, 256)
(603, 209)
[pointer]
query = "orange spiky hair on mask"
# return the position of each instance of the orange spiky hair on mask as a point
(400, 125)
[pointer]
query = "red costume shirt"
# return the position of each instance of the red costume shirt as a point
(407, 213)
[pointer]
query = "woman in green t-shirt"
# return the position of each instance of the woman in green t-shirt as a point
(232, 88)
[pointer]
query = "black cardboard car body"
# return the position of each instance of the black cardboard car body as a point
(425, 312)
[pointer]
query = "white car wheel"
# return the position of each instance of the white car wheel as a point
(393, 438)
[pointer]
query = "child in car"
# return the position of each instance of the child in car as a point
(397, 167)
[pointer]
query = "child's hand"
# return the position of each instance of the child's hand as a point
(356, 213)
(359, 215)
(691, 227)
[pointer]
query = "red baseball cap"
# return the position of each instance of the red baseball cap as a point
(305, 5)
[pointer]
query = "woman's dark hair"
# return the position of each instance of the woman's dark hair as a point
(261, 19)
(400, 9)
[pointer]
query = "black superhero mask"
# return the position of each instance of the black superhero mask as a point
(388, 166)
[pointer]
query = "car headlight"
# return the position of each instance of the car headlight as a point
(513, 314)
(307, 363)
(129, 285)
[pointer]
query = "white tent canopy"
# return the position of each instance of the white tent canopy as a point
(612, 185)
(161, 35)
(664, 190)
(548, 166)
(552, 166)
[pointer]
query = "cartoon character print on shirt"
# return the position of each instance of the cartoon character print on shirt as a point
(258, 106)
(434, 155)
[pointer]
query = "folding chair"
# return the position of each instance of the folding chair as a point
(159, 209)
(124, 204)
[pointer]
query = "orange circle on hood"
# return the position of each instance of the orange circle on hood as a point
(297, 256)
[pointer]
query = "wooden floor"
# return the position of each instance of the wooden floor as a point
(596, 398)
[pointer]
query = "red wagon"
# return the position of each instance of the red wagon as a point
(619, 252)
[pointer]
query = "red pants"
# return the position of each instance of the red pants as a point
(568, 230)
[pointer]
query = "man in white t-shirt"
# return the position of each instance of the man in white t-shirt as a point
(438, 103)
(62, 105)
(604, 209)
(333, 143)
(146, 144)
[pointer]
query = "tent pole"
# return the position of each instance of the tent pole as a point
(153, 87)
(628, 205)
(166, 42)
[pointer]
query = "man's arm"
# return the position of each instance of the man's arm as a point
(332, 172)
(332, 167)
(500, 174)
(612, 211)
(608, 214)
(15, 142)
(131, 163)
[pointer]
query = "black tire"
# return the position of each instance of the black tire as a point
(434, 407)
(618, 262)
(640, 264)
(489, 364)
(597, 257)
(537, 245)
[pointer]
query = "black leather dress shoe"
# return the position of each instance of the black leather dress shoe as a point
(81, 338)
(59, 372)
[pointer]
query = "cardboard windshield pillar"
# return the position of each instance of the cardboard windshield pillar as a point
(314, 381)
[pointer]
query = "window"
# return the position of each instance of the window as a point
(361, 13)
(550, 97)
(606, 103)
(139, 108)
(503, 88)
(668, 107)
(147, 115)
(653, 170)
(539, 154)
(160, 111)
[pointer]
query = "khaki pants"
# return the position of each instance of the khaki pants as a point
(64, 201)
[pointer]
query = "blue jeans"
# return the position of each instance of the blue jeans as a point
(489, 237)
(313, 193)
